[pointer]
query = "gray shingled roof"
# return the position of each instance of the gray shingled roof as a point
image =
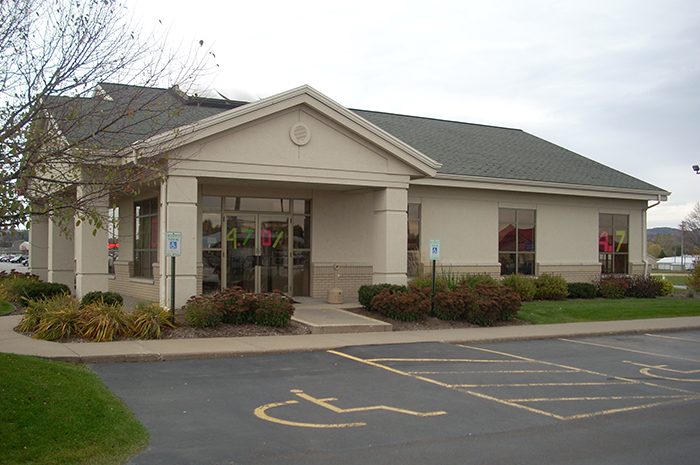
(494, 152)
(462, 148)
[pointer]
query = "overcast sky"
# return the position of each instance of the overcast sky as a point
(617, 81)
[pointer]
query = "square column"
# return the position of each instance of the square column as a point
(390, 236)
(91, 253)
(61, 263)
(39, 246)
(181, 195)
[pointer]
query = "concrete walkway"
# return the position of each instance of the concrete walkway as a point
(333, 328)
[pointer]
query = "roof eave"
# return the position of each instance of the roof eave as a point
(540, 187)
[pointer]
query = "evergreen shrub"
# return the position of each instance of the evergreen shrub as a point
(582, 291)
(110, 298)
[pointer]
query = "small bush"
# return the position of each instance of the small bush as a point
(235, 305)
(28, 289)
(400, 303)
(582, 291)
(453, 305)
(101, 322)
(667, 287)
(273, 309)
(110, 298)
(611, 287)
(643, 287)
(694, 278)
(148, 320)
(201, 311)
(551, 287)
(367, 292)
(426, 282)
(493, 303)
(523, 285)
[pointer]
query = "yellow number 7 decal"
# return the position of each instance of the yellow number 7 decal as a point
(623, 234)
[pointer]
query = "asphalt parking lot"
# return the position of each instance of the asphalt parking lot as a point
(622, 399)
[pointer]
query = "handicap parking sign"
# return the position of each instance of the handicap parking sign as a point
(434, 249)
(174, 241)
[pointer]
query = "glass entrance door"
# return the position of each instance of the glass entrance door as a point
(257, 252)
(240, 251)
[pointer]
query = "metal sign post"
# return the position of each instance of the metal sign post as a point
(434, 257)
(173, 249)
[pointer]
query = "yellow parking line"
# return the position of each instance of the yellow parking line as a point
(674, 338)
(606, 346)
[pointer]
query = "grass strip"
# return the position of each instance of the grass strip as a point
(572, 311)
(6, 307)
(62, 413)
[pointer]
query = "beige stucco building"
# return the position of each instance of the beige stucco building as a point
(272, 194)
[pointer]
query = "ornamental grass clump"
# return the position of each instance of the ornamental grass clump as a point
(36, 310)
(101, 322)
(272, 309)
(148, 320)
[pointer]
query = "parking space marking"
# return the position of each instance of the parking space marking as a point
(674, 338)
(500, 392)
(624, 349)
(646, 370)
(261, 412)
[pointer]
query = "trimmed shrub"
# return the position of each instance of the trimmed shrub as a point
(368, 291)
(453, 305)
(400, 303)
(611, 287)
(101, 322)
(273, 309)
(235, 305)
(582, 291)
(147, 321)
(667, 287)
(551, 287)
(642, 287)
(28, 289)
(523, 285)
(201, 311)
(110, 298)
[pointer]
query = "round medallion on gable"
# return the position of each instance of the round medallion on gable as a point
(300, 134)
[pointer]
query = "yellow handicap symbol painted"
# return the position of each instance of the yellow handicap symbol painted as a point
(262, 411)
(663, 372)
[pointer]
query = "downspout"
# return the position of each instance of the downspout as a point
(644, 235)
(161, 256)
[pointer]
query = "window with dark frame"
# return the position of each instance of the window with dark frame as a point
(613, 243)
(516, 241)
(145, 237)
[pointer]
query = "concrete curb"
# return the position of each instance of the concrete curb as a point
(183, 349)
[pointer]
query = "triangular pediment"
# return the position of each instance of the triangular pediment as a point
(299, 129)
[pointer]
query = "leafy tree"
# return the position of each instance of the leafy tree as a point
(66, 47)
(691, 230)
(655, 250)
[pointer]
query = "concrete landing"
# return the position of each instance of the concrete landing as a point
(324, 318)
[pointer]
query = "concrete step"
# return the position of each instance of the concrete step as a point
(323, 318)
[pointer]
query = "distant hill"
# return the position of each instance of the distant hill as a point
(653, 232)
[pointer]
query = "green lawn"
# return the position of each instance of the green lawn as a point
(6, 307)
(572, 311)
(62, 413)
